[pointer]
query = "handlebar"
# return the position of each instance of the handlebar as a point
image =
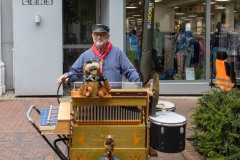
(29, 112)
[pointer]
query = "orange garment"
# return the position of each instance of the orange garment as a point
(223, 81)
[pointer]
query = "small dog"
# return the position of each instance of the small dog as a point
(95, 82)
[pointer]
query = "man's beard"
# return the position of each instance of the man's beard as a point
(100, 43)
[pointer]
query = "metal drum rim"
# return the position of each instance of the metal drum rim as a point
(169, 124)
(174, 106)
(165, 109)
(153, 119)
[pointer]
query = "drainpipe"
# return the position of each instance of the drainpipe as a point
(2, 66)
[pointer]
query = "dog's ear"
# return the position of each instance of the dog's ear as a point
(84, 69)
(99, 72)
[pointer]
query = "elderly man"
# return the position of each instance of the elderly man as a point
(113, 62)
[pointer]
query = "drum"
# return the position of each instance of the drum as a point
(165, 106)
(167, 132)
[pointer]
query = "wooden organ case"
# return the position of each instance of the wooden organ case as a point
(123, 115)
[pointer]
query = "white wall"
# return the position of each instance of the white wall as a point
(2, 66)
(37, 48)
(7, 41)
(113, 15)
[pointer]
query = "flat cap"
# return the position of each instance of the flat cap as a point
(100, 28)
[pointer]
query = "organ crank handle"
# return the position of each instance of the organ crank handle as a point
(155, 88)
(154, 98)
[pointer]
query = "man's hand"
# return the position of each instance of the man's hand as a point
(147, 85)
(62, 78)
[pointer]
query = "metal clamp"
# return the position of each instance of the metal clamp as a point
(148, 124)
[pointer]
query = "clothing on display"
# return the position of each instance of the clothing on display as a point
(196, 46)
(219, 43)
(233, 43)
(157, 41)
(156, 60)
(169, 52)
(134, 49)
(234, 49)
(184, 50)
(201, 52)
(157, 48)
(220, 39)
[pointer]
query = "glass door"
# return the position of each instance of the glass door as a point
(78, 18)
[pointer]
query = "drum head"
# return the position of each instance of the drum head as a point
(162, 104)
(168, 119)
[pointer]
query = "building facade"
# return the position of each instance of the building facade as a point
(42, 38)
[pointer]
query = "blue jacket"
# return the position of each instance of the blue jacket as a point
(115, 65)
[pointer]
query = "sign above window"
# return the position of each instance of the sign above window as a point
(37, 2)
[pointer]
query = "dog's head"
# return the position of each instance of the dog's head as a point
(91, 67)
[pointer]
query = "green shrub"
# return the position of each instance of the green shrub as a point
(198, 72)
(216, 121)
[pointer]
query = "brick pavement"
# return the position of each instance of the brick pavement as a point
(20, 141)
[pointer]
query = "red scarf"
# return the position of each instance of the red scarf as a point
(99, 55)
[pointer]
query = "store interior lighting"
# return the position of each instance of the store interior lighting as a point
(178, 13)
(219, 7)
(192, 16)
(131, 7)
(222, 0)
(210, 3)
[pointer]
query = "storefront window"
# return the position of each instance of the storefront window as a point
(134, 18)
(225, 29)
(179, 38)
(78, 18)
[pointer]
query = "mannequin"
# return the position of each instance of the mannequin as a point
(183, 50)
(219, 43)
(201, 49)
(134, 48)
(157, 47)
(168, 51)
(196, 49)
